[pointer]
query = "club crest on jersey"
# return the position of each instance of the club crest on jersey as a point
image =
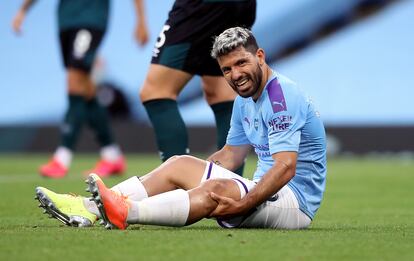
(277, 99)
(256, 124)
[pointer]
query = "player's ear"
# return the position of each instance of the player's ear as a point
(260, 54)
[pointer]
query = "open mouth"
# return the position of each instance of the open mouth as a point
(242, 84)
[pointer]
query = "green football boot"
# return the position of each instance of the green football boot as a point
(68, 209)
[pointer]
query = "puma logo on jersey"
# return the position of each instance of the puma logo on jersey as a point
(279, 103)
(247, 121)
(276, 96)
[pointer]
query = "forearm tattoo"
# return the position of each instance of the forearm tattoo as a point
(216, 162)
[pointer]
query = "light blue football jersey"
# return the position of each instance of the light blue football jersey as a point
(284, 119)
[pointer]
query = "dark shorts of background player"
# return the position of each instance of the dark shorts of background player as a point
(79, 46)
(187, 37)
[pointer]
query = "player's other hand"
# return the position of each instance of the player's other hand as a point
(18, 21)
(227, 207)
(141, 33)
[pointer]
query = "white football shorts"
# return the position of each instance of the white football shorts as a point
(281, 211)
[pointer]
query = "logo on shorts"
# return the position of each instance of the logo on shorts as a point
(82, 43)
(273, 198)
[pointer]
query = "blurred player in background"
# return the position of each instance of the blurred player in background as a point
(271, 115)
(182, 51)
(82, 25)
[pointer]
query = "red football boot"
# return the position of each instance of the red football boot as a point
(106, 168)
(53, 169)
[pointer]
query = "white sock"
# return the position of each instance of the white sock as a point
(90, 205)
(63, 155)
(111, 152)
(167, 209)
(132, 188)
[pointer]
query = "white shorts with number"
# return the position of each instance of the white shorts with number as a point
(281, 211)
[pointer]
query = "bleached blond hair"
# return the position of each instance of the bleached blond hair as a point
(231, 39)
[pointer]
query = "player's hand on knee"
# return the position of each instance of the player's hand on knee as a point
(226, 208)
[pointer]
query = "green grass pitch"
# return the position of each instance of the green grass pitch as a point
(367, 214)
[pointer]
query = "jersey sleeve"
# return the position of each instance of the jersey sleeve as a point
(237, 135)
(286, 121)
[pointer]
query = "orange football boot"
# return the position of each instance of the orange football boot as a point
(112, 206)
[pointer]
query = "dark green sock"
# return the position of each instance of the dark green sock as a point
(170, 131)
(74, 118)
(222, 113)
(99, 121)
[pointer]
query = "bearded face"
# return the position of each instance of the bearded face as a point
(248, 84)
(243, 72)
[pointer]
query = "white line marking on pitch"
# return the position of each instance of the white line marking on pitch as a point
(26, 178)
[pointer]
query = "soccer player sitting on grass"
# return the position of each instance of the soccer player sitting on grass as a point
(271, 115)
